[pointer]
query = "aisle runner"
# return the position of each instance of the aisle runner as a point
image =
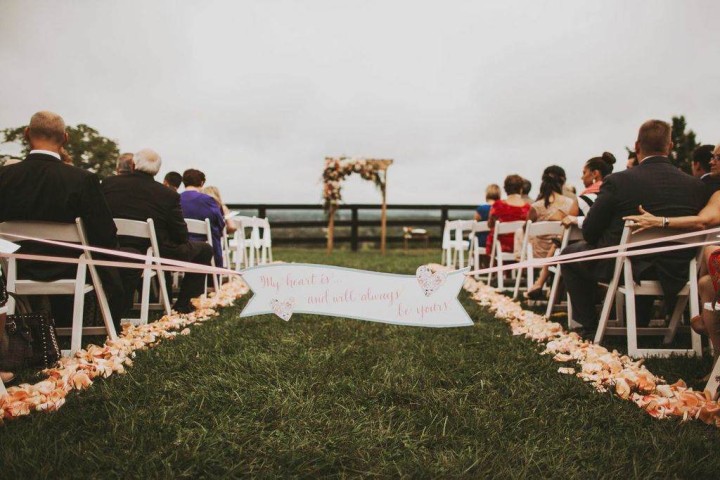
(78, 372)
(605, 370)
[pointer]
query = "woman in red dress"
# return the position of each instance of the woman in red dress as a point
(509, 210)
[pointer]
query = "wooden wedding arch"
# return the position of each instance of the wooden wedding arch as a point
(336, 169)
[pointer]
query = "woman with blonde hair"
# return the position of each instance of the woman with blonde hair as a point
(215, 193)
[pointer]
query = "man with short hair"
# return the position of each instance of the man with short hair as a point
(173, 180)
(124, 164)
(137, 196)
(43, 188)
(662, 190)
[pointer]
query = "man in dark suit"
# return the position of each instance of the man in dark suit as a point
(702, 168)
(43, 188)
(661, 189)
(137, 196)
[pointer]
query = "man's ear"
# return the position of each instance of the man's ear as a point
(65, 138)
(670, 148)
(26, 134)
(637, 150)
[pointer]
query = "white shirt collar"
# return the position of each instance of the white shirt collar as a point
(46, 152)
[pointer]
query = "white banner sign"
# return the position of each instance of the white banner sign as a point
(426, 299)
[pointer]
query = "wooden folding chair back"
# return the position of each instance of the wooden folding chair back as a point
(78, 287)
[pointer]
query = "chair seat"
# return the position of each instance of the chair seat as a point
(57, 287)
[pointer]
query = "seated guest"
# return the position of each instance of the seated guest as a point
(509, 210)
(215, 194)
(482, 213)
(172, 180)
(201, 206)
(707, 323)
(527, 186)
(551, 205)
(137, 196)
(44, 188)
(593, 174)
(701, 167)
(124, 164)
(655, 184)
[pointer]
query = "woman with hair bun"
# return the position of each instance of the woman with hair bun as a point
(551, 205)
(509, 210)
(594, 172)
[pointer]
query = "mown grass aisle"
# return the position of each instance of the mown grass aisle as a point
(327, 396)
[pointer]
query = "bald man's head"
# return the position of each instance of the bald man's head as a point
(46, 129)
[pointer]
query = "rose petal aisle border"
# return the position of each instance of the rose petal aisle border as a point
(605, 370)
(78, 372)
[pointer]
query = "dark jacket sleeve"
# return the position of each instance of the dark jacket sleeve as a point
(600, 215)
(177, 228)
(96, 215)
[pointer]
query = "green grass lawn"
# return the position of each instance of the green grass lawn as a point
(321, 396)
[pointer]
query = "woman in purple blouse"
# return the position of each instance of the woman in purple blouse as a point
(200, 206)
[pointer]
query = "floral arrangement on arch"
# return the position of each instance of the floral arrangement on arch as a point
(337, 168)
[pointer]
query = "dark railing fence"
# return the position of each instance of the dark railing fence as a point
(306, 224)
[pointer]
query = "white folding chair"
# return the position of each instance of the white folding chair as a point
(572, 233)
(202, 227)
(259, 245)
(454, 248)
(630, 290)
(265, 240)
(497, 256)
(146, 230)
(225, 244)
(475, 248)
(63, 232)
(534, 229)
(240, 243)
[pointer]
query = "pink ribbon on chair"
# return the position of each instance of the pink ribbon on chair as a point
(607, 252)
(167, 264)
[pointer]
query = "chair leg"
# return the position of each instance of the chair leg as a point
(491, 265)
(164, 297)
(714, 382)
(77, 317)
(675, 319)
(631, 313)
(145, 298)
(501, 273)
(553, 292)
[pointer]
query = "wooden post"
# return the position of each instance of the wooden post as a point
(331, 229)
(354, 230)
(383, 215)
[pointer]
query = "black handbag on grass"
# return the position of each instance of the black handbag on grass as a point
(30, 340)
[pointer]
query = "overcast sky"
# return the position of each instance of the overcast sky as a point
(459, 93)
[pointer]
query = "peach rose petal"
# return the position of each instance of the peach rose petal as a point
(102, 361)
(604, 370)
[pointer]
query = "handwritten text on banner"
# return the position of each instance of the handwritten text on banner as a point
(288, 288)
